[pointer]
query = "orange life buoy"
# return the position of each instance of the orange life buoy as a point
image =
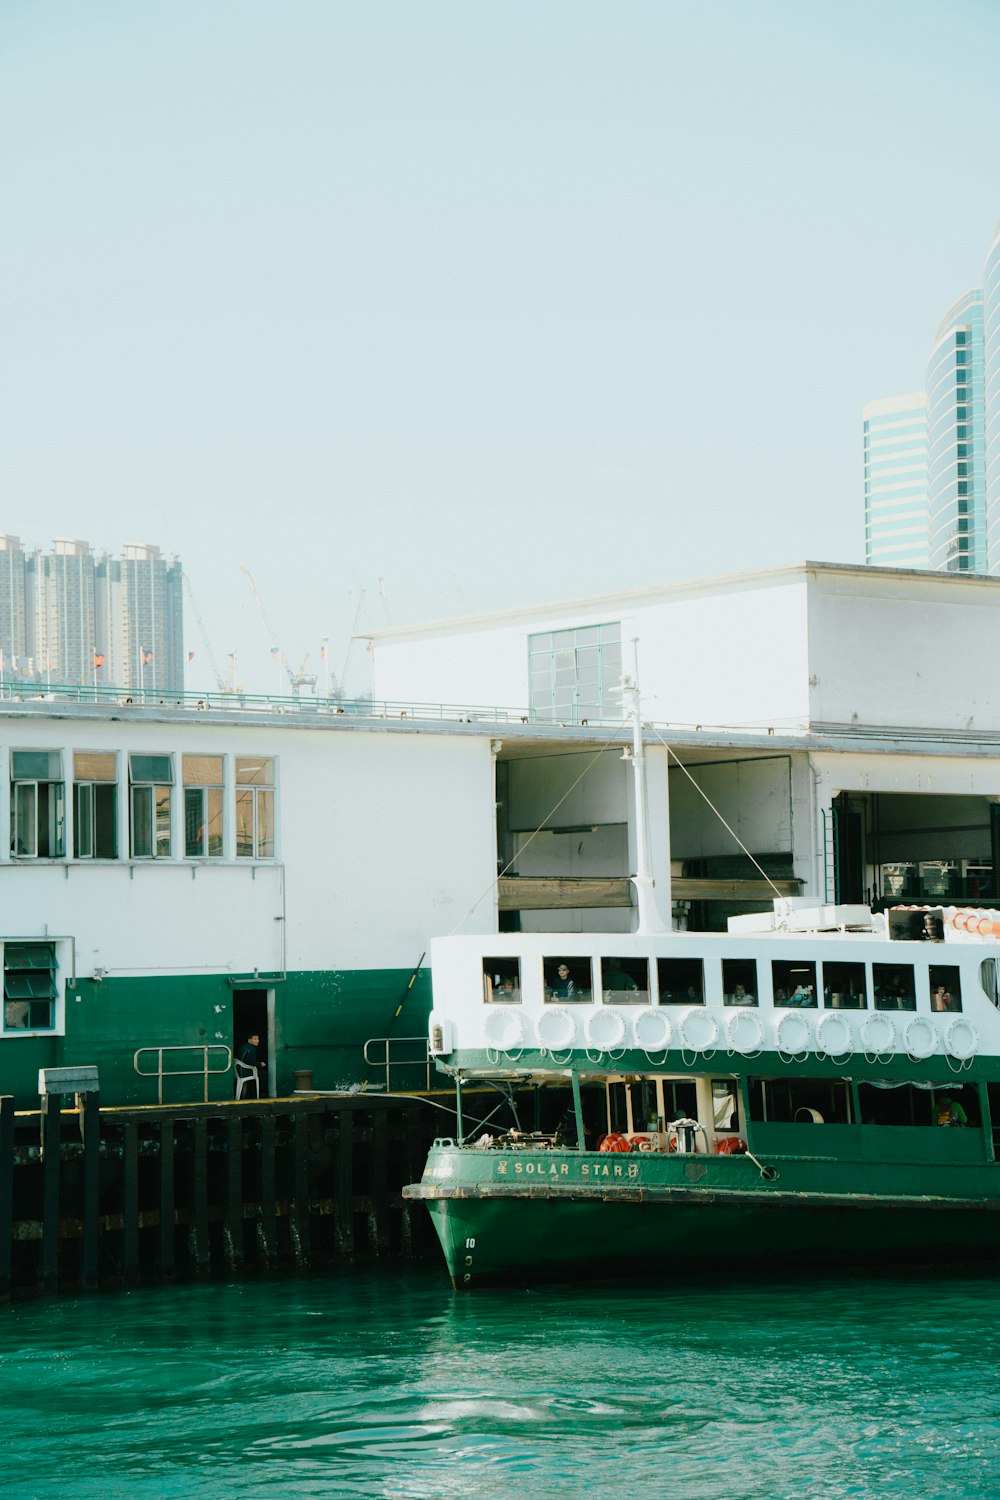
(730, 1145)
(614, 1143)
(641, 1143)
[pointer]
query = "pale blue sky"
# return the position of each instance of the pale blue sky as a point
(501, 302)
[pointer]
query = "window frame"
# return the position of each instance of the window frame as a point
(42, 949)
(158, 793)
(53, 802)
(255, 794)
(205, 790)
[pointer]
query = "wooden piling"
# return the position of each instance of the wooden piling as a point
(234, 1189)
(345, 1182)
(167, 1198)
(200, 1195)
(6, 1191)
(300, 1186)
(90, 1106)
(267, 1188)
(378, 1176)
(130, 1202)
(50, 1125)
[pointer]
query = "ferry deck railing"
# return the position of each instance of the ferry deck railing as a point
(395, 1063)
(205, 1071)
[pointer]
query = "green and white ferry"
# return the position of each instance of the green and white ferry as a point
(827, 1090)
(818, 1085)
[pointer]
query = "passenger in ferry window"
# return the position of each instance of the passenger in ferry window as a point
(508, 990)
(693, 996)
(950, 1112)
(740, 996)
(802, 995)
(941, 999)
(564, 988)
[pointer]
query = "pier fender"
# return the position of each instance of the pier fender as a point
(835, 1036)
(920, 1039)
(505, 1030)
(557, 1030)
(961, 1040)
(606, 1029)
(652, 1031)
(745, 1032)
(878, 1035)
(794, 1033)
(699, 1031)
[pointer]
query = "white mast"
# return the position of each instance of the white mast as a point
(649, 918)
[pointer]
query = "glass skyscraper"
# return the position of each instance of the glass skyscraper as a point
(896, 482)
(956, 471)
(991, 394)
(960, 500)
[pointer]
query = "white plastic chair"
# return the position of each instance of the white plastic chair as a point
(245, 1074)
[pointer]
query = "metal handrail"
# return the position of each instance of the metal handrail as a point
(386, 1061)
(203, 1072)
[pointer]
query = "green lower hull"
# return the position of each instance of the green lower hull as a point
(554, 1223)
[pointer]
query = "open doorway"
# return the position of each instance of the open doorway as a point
(253, 1012)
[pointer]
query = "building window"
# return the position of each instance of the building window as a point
(95, 805)
(571, 674)
(150, 780)
(203, 806)
(37, 804)
(255, 808)
(29, 987)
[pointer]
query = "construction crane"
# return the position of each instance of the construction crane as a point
(226, 684)
(299, 679)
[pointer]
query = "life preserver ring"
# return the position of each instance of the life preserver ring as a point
(641, 1143)
(605, 1029)
(557, 1030)
(794, 1033)
(730, 1145)
(614, 1142)
(699, 1031)
(961, 1040)
(835, 1035)
(745, 1032)
(878, 1034)
(505, 1030)
(920, 1038)
(652, 1031)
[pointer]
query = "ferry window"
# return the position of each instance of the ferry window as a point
(29, 986)
(203, 806)
(680, 1099)
(800, 1101)
(625, 981)
(568, 980)
(681, 980)
(910, 1104)
(502, 981)
(794, 983)
(255, 808)
(946, 987)
(37, 804)
(894, 989)
(988, 980)
(150, 782)
(739, 981)
(725, 1104)
(95, 804)
(844, 986)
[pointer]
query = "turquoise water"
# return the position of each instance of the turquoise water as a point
(387, 1384)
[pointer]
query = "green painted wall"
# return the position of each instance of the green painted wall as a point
(322, 1020)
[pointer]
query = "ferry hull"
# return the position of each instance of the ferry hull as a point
(492, 1233)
